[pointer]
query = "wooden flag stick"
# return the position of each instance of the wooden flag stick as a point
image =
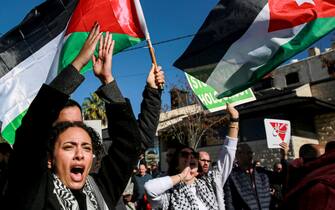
(153, 59)
(144, 28)
(152, 53)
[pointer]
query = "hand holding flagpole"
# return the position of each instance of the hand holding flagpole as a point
(144, 28)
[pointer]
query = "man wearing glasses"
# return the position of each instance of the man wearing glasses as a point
(204, 162)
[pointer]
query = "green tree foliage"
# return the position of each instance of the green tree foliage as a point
(94, 109)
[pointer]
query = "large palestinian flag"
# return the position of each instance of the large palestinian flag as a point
(243, 40)
(47, 40)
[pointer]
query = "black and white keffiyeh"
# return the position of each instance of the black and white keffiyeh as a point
(181, 197)
(67, 199)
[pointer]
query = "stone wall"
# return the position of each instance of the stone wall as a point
(325, 127)
(309, 70)
(324, 91)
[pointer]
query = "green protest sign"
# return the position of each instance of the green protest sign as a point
(206, 94)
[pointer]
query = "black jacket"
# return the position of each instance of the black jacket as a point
(240, 194)
(148, 121)
(148, 118)
(30, 185)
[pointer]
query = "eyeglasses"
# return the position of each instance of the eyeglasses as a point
(186, 154)
(204, 160)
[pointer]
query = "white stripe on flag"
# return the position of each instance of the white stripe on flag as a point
(254, 48)
(141, 19)
(56, 61)
(20, 86)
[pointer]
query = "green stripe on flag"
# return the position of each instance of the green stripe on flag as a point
(74, 42)
(70, 50)
(8, 132)
(312, 32)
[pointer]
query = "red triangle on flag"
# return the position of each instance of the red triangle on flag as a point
(279, 129)
(290, 13)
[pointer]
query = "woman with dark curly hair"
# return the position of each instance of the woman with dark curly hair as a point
(53, 173)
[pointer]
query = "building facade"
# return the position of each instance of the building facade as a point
(301, 92)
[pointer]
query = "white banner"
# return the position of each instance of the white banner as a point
(277, 131)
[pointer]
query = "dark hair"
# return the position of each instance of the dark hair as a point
(174, 144)
(145, 165)
(71, 103)
(244, 147)
(275, 164)
(173, 166)
(5, 148)
(330, 146)
(309, 152)
(60, 127)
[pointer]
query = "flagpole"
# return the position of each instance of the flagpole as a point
(144, 28)
(152, 52)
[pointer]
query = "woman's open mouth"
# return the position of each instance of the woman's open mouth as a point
(77, 173)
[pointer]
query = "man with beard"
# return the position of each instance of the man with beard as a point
(204, 162)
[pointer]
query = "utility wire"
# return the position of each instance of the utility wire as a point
(159, 43)
(154, 44)
(132, 75)
(144, 46)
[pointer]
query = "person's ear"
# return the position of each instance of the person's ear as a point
(49, 161)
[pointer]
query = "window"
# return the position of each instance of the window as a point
(331, 69)
(292, 78)
(252, 129)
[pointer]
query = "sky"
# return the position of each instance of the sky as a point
(166, 20)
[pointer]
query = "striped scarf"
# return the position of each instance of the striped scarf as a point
(67, 199)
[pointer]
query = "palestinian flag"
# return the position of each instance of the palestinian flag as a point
(47, 40)
(242, 41)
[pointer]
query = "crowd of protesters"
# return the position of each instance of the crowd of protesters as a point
(190, 181)
(57, 162)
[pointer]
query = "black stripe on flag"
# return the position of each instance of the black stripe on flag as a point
(224, 25)
(41, 25)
